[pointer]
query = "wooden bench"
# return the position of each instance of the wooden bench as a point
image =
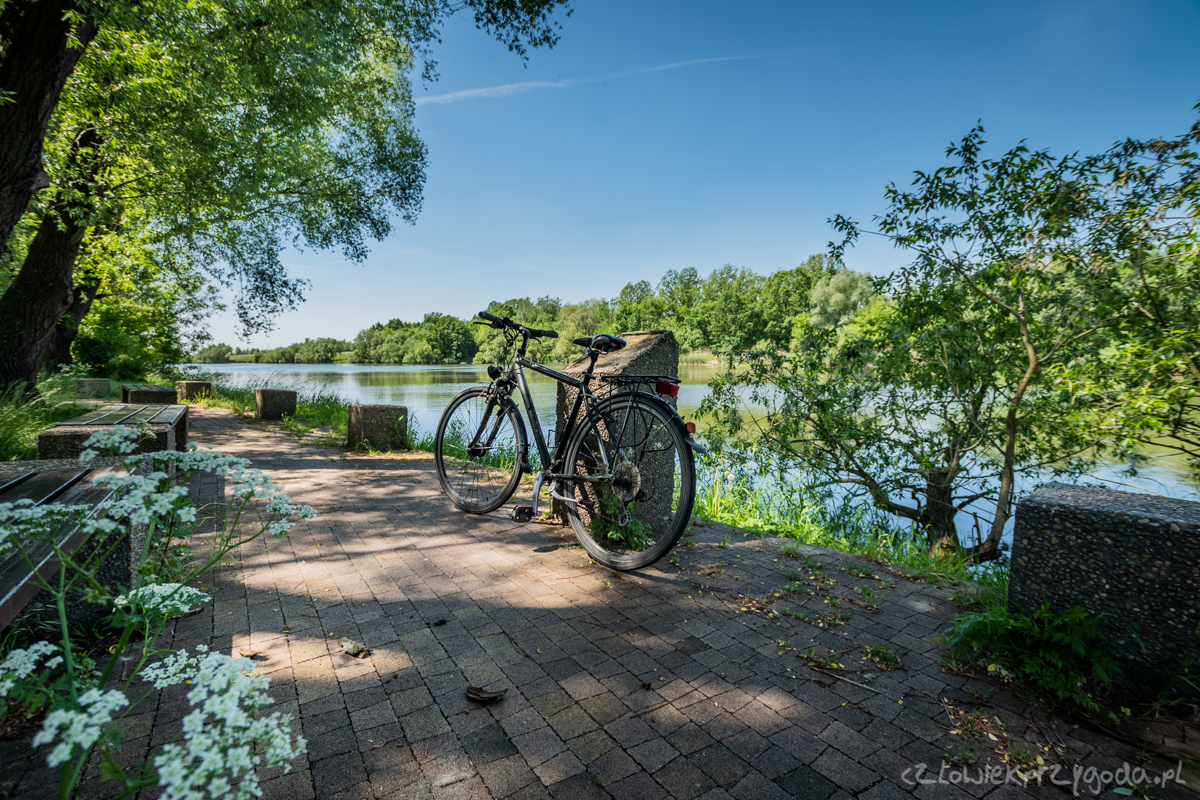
(70, 486)
(134, 393)
(167, 423)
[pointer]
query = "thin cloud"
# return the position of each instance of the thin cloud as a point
(525, 86)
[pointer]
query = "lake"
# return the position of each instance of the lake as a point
(426, 390)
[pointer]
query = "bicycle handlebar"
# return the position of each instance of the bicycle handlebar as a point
(505, 322)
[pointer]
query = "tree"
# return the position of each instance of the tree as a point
(728, 316)
(835, 298)
(214, 354)
(1026, 269)
(785, 296)
(215, 143)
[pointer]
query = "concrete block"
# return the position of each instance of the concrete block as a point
(1133, 560)
(92, 388)
(145, 394)
(190, 390)
(383, 427)
(274, 403)
(645, 353)
(66, 441)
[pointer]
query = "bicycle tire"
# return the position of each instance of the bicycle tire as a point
(482, 479)
(632, 522)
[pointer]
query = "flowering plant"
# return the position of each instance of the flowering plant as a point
(223, 740)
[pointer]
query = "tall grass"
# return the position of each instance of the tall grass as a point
(735, 488)
(316, 406)
(21, 420)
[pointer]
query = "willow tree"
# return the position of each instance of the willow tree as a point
(212, 135)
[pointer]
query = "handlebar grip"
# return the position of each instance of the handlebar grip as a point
(490, 317)
(549, 334)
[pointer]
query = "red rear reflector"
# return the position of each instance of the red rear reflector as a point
(691, 427)
(666, 387)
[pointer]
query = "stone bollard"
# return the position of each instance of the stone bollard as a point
(190, 390)
(383, 427)
(1131, 560)
(645, 353)
(274, 403)
(92, 388)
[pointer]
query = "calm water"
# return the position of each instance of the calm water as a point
(426, 390)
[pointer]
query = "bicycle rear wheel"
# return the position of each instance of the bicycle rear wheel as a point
(642, 503)
(477, 450)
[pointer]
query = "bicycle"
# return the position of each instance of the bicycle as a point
(623, 469)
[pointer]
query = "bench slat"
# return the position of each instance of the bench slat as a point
(42, 487)
(168, 415)
(124, 414)
(17, 582)
(24, 476)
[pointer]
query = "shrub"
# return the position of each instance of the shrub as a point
(1060, 654)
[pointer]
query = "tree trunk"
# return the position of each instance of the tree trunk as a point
(59, 354)
(937, 517)
(35, 302)
(36, 59)
(43, 290)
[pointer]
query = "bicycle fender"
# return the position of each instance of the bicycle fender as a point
(672, 413)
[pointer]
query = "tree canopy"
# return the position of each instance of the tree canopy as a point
(211, 136)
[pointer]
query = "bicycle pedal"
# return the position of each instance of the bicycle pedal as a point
(522, 514)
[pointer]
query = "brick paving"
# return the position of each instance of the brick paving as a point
(680, 681)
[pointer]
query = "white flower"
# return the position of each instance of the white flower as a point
(119, 438)
(217, 756)
(21, 663)
(80, 727)
(173, 669)
(167, 599)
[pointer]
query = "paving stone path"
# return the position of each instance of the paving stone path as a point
(681, 681)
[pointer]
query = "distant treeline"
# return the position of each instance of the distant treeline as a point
(732, 309)
(729, 310)
(310, 351)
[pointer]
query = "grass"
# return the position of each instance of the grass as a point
(731, 489)
(21, 420)
(316, 406)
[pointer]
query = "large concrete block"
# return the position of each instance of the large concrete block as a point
(1133, 560)
(645, 353)
(66, 441)
(92, 388)
(382, 427)
(274, 403)
(190, 390)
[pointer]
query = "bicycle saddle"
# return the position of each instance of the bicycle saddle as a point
(604, 342)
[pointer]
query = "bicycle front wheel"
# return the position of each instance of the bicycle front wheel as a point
(478, 449)
(642, 484)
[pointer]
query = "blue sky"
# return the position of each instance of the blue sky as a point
(663, 134)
